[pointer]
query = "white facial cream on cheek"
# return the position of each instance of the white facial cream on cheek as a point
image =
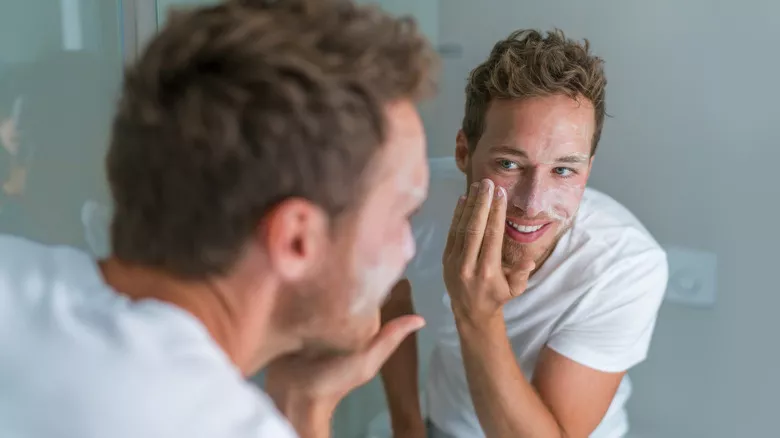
(374, 283)
(558, 203)
(376, 275)
(409, 245)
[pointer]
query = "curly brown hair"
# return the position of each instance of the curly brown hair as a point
(236, 107)
(530, 64)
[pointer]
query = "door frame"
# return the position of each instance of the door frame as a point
(139, 23)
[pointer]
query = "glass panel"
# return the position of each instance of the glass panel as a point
(60, 68)
(164, 6)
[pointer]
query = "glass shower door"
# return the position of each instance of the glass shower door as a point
(164, 7)
(60, 70)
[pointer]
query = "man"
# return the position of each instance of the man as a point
(253, 157)
(545, 355)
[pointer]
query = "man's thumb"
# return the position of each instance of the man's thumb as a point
(389, 338)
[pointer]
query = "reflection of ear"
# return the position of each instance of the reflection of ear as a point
(462, 154)
(295, 234)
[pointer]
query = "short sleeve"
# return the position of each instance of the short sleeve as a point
(612, 326)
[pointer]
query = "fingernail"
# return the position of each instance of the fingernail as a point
(474, 188)
(462, 199)
(484, 187)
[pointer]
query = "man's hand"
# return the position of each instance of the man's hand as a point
(9, 136)
(477, 283)
(308, 388)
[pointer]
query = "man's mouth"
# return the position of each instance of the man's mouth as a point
(526, 233)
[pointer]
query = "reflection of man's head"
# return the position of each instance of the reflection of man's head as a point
(534, 113)
(276, 156)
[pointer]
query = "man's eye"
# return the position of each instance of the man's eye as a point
(507, 164)
(564, 171)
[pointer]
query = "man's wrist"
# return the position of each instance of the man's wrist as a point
(474, 321)
(311, 418)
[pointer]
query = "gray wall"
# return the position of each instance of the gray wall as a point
(691, 149)
(36, 22)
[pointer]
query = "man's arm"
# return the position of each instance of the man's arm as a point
(307, 389)
(399, 374)
(580, 369)
(566, 399)
(310, 419)
(607, 333)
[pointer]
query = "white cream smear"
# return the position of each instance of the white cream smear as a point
(376, 280)
(558, 204)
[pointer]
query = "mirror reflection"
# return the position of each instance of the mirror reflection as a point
(561, 192)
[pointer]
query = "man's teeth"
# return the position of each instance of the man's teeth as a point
(523, 228)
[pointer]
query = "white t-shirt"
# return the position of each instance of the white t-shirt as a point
(78, 360)
(594, 301)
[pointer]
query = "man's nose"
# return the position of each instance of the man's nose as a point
(528, 193)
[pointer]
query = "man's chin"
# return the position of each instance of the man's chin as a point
(351, 337)
(514, 253)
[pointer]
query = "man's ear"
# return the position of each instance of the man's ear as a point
(462, 153)
(295, 235)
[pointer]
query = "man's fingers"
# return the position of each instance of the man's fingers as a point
(518, 278)
(468, 208)
(454, 226)
(475, 228)
(492, 242)
(387, 341)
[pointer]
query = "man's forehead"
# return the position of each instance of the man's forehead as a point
(407, 174)
(403, 156)
(559, 113)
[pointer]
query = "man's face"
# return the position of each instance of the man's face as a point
(538, 149)
(375, 242)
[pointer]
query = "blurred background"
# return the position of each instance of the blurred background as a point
(693, 114)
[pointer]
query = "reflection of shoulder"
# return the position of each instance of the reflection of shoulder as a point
(607, 235)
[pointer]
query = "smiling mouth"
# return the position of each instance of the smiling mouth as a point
(526, 233)
(525, 229)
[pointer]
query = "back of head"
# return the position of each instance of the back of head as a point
(530, 64)
(236, 107)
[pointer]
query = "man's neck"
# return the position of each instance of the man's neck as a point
(219, 304)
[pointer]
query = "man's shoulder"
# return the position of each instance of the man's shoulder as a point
(605, 241)
(105, 366)
(22, 258)
(124, 396)
(610, 229)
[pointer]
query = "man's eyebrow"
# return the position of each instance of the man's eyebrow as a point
(508, 150)
(577, 158)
